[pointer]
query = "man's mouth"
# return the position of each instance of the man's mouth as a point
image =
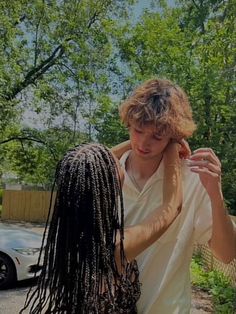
(144, 152)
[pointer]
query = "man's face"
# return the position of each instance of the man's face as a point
(146, 143)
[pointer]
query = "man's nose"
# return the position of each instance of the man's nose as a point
(144, 141)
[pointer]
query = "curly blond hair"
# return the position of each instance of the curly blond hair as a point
(162, 103)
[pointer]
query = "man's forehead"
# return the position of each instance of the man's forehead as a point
(152, 128)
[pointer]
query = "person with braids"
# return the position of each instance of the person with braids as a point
(89, 261)
(156, 113)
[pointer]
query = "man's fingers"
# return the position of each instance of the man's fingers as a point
(205, 155)
(204, 171)
(206, 151)
(204, 164)
(205, 161)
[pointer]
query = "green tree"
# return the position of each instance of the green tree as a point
(110, 130)
(55, 62)
(212, 23)
(192, 44)
(32, 154)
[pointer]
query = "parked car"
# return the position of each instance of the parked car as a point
(19, 252)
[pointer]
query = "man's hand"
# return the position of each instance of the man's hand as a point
(223, 240)
(205, 162)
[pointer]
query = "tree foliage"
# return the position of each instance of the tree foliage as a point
(70, 64)
(55, 66)
(192, 44)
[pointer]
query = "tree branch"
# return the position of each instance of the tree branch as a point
(195, 4)
(26, 138)
(37, 72)
(36, 43)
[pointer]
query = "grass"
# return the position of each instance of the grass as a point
(217, 284)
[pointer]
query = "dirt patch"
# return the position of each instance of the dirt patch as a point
(201, 301)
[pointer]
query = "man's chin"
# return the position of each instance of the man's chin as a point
(146, 155)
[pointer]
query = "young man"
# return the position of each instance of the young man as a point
(156, 113)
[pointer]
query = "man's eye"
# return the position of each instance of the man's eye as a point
(158, 138)
(137, 131)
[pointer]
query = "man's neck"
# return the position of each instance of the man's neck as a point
(140, 170)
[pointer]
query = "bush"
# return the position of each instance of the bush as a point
(217, 284)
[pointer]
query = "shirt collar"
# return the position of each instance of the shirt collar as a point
(158, 173)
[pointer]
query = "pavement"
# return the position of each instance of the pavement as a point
(12, 300)
(33, 226)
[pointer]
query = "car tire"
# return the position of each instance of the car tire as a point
(7, 272)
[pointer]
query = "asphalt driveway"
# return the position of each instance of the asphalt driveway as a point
(12, 300)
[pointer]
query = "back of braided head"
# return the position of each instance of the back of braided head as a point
(79, 263)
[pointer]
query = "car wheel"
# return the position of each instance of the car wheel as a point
(7, 271)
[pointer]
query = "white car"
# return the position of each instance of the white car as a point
(19, 252)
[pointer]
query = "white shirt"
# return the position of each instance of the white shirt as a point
(164, 266)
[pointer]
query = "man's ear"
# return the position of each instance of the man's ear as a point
(185, 150)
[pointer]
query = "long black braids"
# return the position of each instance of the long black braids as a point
(79, 263)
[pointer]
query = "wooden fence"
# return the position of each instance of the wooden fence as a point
(211, 263)
(229, 270)
(29, 206)
(33, 206)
